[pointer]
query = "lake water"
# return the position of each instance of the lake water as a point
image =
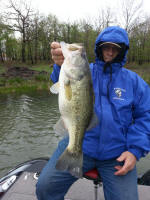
(26, 129)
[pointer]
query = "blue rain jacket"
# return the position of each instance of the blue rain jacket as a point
(124, 115)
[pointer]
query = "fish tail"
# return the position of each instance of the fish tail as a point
(71, 162)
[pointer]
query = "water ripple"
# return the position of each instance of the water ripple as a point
(26, 127)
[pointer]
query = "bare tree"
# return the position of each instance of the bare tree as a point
(19, 17)
(129, 12)
(104, 19)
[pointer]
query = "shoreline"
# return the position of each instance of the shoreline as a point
(20, 78)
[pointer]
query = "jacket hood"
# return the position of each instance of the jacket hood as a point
(113, 34)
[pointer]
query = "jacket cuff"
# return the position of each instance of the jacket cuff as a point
(136, 152)
(57, 67)
(55, 74)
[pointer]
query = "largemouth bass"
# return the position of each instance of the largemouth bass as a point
(75, 105)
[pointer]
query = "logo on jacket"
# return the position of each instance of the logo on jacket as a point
(118, 92)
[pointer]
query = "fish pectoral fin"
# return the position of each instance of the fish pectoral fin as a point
(66, 81)
(94, 122)
(55, 88)
(68, 92)
(59, 128)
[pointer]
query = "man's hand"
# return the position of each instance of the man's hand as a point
(129, 163)
(56, 53)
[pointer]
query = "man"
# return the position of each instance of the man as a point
(122, 104)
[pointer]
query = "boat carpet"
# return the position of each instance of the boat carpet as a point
(24, 189)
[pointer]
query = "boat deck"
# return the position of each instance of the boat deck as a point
(24, 189)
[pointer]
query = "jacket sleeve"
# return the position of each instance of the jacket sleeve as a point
(138, 135)
(55, 73)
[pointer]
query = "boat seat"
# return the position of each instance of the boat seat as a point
(96, 178)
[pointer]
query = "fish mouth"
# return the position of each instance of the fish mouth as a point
(76, 46)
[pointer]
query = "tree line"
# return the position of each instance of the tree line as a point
(37, 31)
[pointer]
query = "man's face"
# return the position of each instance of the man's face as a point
(110, 52)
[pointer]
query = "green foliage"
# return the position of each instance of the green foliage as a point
(16, 86)
(42, 67)
(2, 69)
(140, 43)
(2, 81)
(41, 77)
(40, 31)
(43, 30)
(15, 81)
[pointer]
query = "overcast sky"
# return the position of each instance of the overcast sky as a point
(76, 9)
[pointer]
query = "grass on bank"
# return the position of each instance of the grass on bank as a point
(42, 67)
(142, 70)
(20, 84)
(25, 87)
